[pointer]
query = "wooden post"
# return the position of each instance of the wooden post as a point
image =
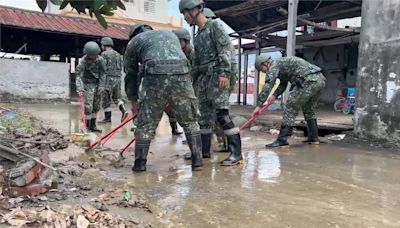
(240, 68)
(291, 36)
(246, 66)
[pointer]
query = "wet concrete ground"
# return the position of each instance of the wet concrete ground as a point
(331, 185)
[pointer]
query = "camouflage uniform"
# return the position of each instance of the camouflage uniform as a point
(113, 80)
(213, 58)
(307, 83)
(164, 78)
(90, 78)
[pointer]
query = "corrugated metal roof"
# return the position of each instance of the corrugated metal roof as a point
(60, 24)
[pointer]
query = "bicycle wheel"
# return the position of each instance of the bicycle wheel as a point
(338, 106)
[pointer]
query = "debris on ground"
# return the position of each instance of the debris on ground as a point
(339, 137)
(24, 147)
(274, 132)
(65, 216)
(256, 128)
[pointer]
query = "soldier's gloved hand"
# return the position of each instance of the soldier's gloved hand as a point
(223, 82)
(271, 99)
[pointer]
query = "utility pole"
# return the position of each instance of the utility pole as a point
(291, 36)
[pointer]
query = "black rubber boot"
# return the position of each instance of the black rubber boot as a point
(235, 149)
(224, 148)
(196, 151)
(141, 151)
(174, 128)
(88, 124)
(107, 118)
(93, 127)
(123, 112)
(312, 129)
(188, 156)
(206, 145)
(283, 136)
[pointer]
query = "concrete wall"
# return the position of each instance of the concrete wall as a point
(378, 100)
(337, 62)
(33, 79)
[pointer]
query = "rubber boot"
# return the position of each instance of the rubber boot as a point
(206, 145)
(235, 149)
(196, 151)
(107, 118)
(312, 132)
(224, 147)
(93, 127)
(123, 111)
(188, 156)
(141, 151)
(88, 124)
(283, 136)
(174, 128)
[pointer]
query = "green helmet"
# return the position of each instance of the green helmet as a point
(91, 48)
(189, 4)
(209, 13)
(260, 60)
(138, 28)
(182, 34)
(107, 41)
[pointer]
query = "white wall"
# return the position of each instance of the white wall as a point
(148, 10)
(34, 79)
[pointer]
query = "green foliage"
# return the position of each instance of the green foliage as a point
(97, 7)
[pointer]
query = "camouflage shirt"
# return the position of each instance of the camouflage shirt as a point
(288, 69)
(213, 46)
(147, 46)
(113, 62)
(90, 72)
(189, 53)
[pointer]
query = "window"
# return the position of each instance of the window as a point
(150, 6)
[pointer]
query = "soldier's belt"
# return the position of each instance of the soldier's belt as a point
(204, 68)
(166, 67)
(89, 81)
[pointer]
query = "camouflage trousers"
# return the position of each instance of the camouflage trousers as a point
(92, 100)
(211, 98)
(170, 113)
(158, 90)
(305, 99)
(112, 93)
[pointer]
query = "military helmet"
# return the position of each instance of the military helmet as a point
(91, 48)
(209, 13)
(182, 34)
(260, 60)
(138, 28)
(107, 41)
(189, 4)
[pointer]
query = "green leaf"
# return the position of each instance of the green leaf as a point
(101, 20)
(91, 13)
(42, 4)
(97, 4)
(79, 6)
(64, 4)
(120, 4)
(56, 2)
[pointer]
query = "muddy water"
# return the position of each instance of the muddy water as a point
(304, 186)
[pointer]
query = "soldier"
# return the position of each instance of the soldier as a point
(163, 76)
(233, 78)
(90, 82)
(113, 79)
(307, 83)
(212, 67)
